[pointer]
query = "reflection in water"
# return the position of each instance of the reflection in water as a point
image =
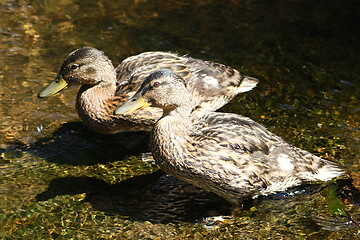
(305, 54)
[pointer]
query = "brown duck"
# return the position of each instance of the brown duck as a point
(224, 153)
(104, 88)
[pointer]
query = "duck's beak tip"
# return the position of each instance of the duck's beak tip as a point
(132, 104)
(55, 86)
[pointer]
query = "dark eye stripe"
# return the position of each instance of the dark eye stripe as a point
(147, 89)
(150, 86)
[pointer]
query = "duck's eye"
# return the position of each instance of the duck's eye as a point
(156, 84)
(74, 66)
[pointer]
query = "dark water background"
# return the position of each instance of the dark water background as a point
(59, 180)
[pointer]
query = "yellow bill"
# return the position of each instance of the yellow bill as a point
(134, 103)
(56, 86)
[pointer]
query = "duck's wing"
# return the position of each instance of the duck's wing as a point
(232, 152)
(212, 84)
(235, 133)
(133, 70)
(247, 142)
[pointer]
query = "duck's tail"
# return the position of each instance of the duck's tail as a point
(247, 84)
(321, 170)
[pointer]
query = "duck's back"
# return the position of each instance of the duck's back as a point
(234, 157)
(212, 84)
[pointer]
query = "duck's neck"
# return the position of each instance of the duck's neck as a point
(181, 112)
(170, 134)
(93, 102)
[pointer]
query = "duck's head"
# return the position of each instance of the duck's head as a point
(163, 89)
(84, 66)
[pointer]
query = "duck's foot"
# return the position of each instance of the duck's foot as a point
(148, 158)
(212, 223)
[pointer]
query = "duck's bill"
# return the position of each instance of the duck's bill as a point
(56, 86)
(134, 103)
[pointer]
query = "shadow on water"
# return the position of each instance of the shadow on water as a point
(154, 197)
(72, 143)
(160, 198)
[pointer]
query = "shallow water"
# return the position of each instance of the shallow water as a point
(59, 180)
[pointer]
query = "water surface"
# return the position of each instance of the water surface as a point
(59, 180)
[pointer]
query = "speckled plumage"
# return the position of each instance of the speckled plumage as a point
(224, 153)
(104, 88)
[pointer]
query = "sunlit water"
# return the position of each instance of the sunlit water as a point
(59, 180)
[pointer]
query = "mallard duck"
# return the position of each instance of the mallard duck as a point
(104, 88)
(227, 154)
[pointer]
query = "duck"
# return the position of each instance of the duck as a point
(224, 153)
(104, 88)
